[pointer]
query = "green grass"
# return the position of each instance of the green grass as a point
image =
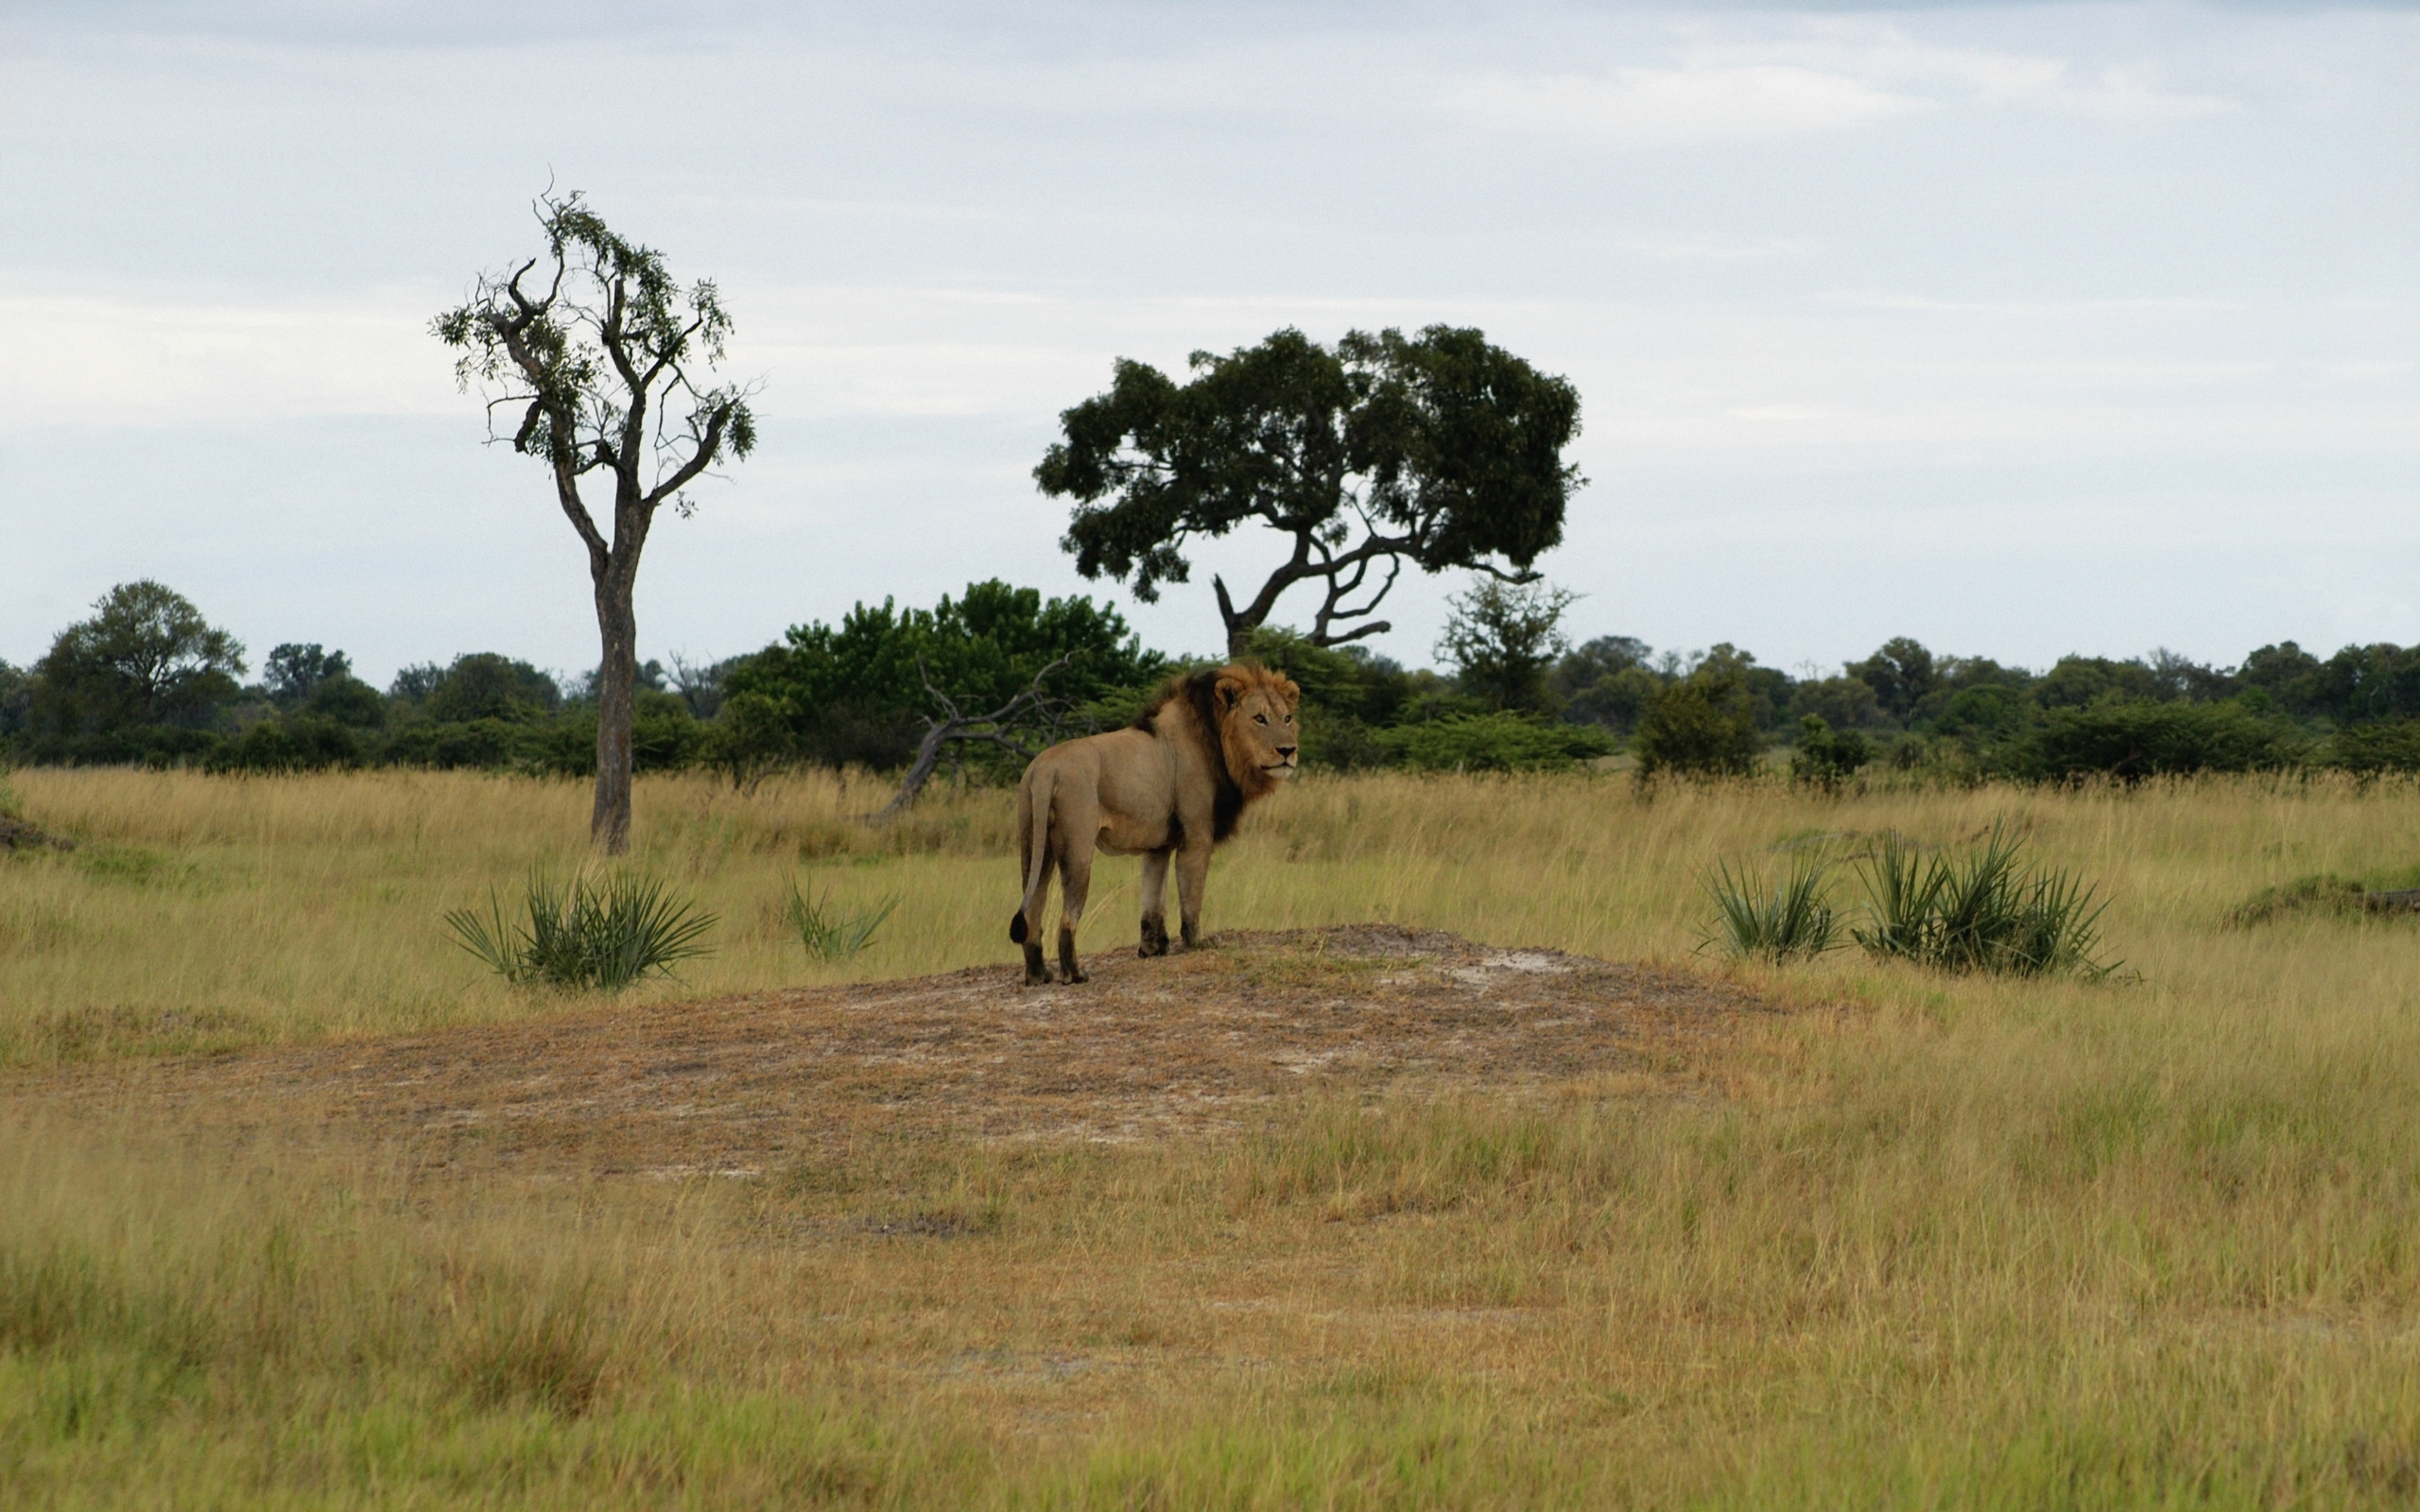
(1923, 1239)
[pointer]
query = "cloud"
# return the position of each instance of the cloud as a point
(1653, 107)
(1826, 77)
(132, 358)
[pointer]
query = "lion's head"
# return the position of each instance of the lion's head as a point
(1256, 730)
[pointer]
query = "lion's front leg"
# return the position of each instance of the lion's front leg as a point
(1192, 877)
(1155, 902)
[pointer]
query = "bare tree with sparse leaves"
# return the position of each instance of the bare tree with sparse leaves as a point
(596, 360)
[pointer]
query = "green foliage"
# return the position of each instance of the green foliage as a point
(855, 692)
(834, 933)
(347, 701)
(1901, 674)
(1841, 703)
(293, 672)
(1791, 915)
(1701, 726)
(1606, 682)
(1503, 638)
(1825, 759)
(2380, 746)
(299, 743)
(1443, 450)
(584, 933)
(2076, 681)
(484, 685)
(1990, 913)
(1502, 742)
(561, 348)
(147, 657)
(2134, 740)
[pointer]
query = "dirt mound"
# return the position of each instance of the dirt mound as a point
(16, 834)
(1189, 1043)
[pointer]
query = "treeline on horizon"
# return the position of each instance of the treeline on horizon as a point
(147, 680)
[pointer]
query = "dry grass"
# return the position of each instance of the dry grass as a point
(1922, 1241)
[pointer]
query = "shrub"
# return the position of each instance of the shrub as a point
(1989, 914)
(584, 933)
(2134, 740)
(1704, 725)
(1825, 759)
(831, 934)
(298, 742)
(1505, 742)
(1792, 917)
(2383, 746)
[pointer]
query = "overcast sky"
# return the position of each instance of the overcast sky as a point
(2019, 329)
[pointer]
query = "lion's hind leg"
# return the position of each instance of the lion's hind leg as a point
(1075, 886)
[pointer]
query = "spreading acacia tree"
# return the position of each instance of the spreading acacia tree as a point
(1439, 450)
(591, 360)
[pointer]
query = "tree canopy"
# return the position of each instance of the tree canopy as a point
(1440, 449)
(147, 657)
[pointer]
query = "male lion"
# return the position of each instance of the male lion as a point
(1173, 784)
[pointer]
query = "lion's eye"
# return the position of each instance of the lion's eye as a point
(1260, 719)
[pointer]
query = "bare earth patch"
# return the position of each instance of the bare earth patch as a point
(1189, 1043)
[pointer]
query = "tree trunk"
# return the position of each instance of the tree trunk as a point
(609, 828)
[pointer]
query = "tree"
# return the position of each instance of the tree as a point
(294, 672)
(601, 356)
(1437, 449)
(147, 657)
(1503, 638)
(1901, 673)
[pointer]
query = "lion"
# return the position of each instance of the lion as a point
(1171, 785)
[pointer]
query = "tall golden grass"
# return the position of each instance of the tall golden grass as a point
(1944, 1241)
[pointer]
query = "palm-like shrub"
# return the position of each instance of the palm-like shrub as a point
(1989, 913)
(1790, 916)
(831, 933)
(585, 933)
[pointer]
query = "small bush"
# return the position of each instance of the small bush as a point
(1989, 914)
(585, 934)
(1793, 917)
(831, 934)
(1504, 742)
(1701, 726)
(1827, 759)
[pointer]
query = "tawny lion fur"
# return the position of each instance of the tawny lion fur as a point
(1169, 787)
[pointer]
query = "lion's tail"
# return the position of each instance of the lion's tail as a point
(1033, 848)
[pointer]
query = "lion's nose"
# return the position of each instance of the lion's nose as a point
(1287, 752)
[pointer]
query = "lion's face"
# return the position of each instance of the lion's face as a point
(1259, 733)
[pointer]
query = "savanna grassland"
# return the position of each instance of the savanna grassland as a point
(1895, 1238)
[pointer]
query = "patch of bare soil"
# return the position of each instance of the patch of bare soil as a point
(1186, 1043)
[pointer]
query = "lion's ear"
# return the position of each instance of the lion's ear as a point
(1231, 692)
(1292, 691)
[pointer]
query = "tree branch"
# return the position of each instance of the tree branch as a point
(957, 726)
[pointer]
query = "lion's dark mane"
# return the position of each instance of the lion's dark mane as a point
(1201, 691)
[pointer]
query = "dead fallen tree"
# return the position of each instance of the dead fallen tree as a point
(1032, 720)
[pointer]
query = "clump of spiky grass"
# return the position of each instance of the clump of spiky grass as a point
(834, 933)
(1988, 913)
(584, 933)
(1790, 916)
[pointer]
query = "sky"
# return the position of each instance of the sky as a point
(2021, 329)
